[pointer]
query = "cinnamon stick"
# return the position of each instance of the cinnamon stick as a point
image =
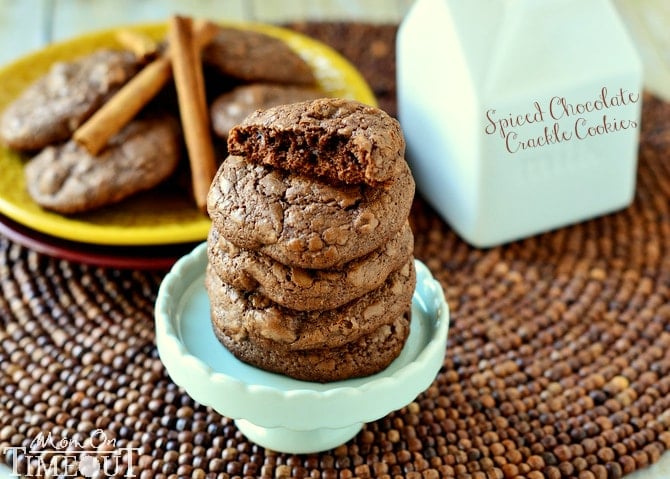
(190, 84)
(141, 45)
(133, 96)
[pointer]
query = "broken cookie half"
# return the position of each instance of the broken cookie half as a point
(333, 139)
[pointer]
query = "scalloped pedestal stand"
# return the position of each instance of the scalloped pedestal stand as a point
(275, 411)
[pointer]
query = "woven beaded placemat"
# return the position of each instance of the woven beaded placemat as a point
(558, 361)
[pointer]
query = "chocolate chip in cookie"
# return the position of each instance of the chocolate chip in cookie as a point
(304, 222)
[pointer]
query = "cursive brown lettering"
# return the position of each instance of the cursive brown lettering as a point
(571, 120)
(502, 125)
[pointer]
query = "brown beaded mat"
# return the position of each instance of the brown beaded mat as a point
(558, 362)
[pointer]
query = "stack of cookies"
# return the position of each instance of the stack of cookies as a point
(310, 255)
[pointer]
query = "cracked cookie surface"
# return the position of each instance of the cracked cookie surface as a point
(243, 314)
(367, 355)
(305, 289)
(302, 222)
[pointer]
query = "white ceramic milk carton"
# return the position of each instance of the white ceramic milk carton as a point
(520, 115)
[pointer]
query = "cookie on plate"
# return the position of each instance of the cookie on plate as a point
(68, 179)
(253, 56)
(335, 139)
(56, 104)
(303, 222)
(232, 107)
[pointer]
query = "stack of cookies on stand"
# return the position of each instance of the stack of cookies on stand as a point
(310, 255)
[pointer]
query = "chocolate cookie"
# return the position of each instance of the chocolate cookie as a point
(67, 179)
(254, 56)
(249, 314)
(329, 138)
(53, 107)
(308, 289)
(367, 355)
(230, 108)
(302, 222)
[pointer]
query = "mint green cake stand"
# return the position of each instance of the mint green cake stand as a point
(275, 411)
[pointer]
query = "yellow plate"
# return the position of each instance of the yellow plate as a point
(160, 216)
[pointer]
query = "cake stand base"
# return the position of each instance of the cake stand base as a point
(297, 442)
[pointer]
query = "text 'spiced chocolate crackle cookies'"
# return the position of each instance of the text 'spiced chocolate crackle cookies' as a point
(310, 255)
